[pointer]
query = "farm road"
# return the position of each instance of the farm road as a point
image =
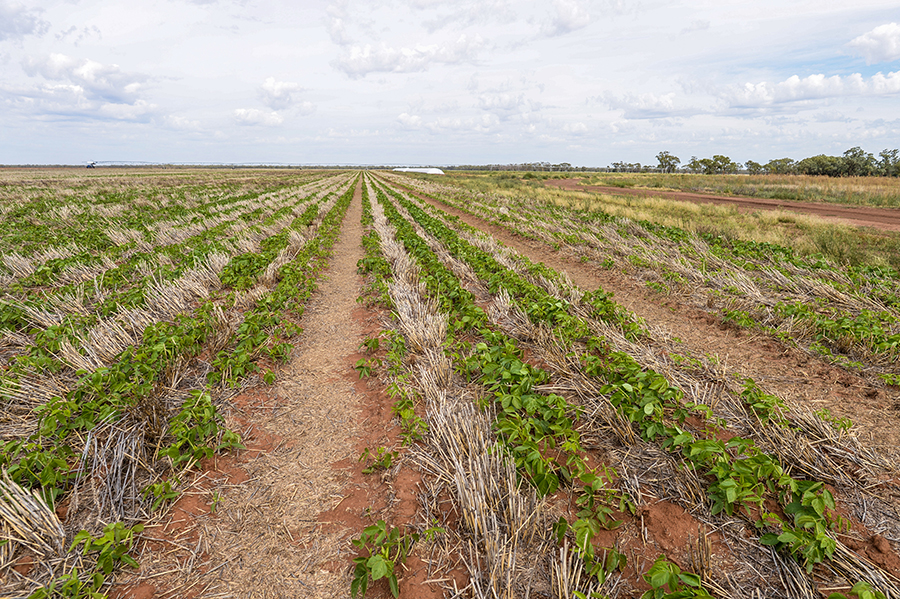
(885, 219)
(794, 374)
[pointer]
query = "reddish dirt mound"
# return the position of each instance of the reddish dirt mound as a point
(885, 219)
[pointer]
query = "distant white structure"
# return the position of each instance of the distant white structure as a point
(427, 171)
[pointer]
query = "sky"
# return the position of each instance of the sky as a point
(440, 82)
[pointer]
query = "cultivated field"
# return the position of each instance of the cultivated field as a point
(306, 383)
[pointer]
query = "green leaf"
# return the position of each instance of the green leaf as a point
(690, 579)
(379, 567)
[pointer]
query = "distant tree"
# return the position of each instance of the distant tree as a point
(780, 166)
(753, 167)
(694, 165)
(724, 164)
(858, 163)
(626, 167)
(889, 165)
(831, 166)
(668, 162)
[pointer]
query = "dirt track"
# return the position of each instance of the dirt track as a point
(885, 219)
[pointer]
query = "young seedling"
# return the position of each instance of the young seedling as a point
(381, 459)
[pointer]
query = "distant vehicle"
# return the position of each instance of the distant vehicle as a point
(91, 164)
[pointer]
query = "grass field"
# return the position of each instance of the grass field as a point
(860, 191)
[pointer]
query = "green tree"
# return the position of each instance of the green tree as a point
(711, 166)
(780, 166)
(889, 165)
(831, 166)
(858, 163)
(724, 164)
(753, 167)
(668, 162)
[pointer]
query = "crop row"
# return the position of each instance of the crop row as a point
(60, 212)
(59, 321)
(169, 239)
(124, 432)
(640, 395)
(846, 313)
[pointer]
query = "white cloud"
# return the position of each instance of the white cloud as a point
(17, 21)
(255, 116)
(501, 102)
(571, 15)
(66, 101)
(180, 122)
(278, 94)
(80, 87)
(485, 124)
(336, 22)
(139, 111)
(304, 108)
(641, 106)
(362, 60)
(575, 128)
(812, 87)
(700, 25)
(505, 105)
(76, 35)
(409, 121)
(882, 44)
(106, 82)
(467, 13)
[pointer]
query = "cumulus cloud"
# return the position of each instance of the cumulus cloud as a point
(256, 117)
(79, 86)
(813, 87)
(140, 110)
(336, 22)
(67, 101)
(409, 121)
(362, 60)
(17, 21)
(640, 106)
(278, 94)
(571, 15)
(99, 81)
(882, 44)
(575, 128)
(501, 102)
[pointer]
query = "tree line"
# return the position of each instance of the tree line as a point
(855, 162)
